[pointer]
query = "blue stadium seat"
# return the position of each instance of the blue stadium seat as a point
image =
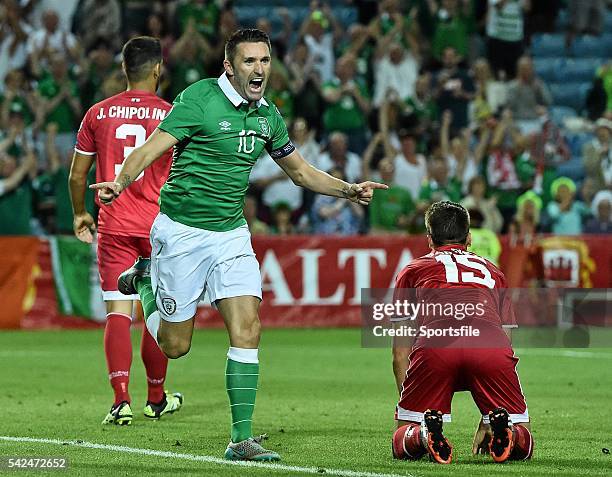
(574, 169)
(548, 45)
(606, 40)
(587, 46)
(569, 94)
(580, 69)
(559, 113)
(548, 69)
(608, 23)
(576, 141)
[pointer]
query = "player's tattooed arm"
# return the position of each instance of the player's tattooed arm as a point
(124, 180)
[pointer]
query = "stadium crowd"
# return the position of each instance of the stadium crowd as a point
(440, 99)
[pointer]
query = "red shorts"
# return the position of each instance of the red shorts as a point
(117, 253)
(435, 374)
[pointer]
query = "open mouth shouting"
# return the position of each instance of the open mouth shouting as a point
(256, 86)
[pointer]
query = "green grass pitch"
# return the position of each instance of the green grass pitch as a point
(324, 401)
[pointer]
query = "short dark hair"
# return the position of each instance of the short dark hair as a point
(140, 55)
(447, 223)
(246, 35)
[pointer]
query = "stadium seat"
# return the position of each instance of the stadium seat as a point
(606, 40)
(548, 45)
(587, 46)
(576, 142)
(559, 113)
(580, 69)
(562, 20)
(574, 169)
(569, 94)
(548, 68)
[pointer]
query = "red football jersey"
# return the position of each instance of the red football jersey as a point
(111, 129)
(460, 277)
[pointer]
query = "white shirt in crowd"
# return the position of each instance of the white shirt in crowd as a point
(18, 59)
(469, 171)
(507, 23)
(410, 176)
(282, 190)
(322, 53)
(352, 169)
(400, 78)
(55, 42)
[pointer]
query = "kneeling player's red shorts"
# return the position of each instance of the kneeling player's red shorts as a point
(117, 253)
(434, 375)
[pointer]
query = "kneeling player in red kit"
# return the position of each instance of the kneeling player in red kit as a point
(427, 375)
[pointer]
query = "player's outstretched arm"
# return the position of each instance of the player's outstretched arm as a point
(306, 175)
(138, 160)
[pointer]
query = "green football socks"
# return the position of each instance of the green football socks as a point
(241, 383)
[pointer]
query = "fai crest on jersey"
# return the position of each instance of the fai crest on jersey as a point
(169, 305)
(264, 126)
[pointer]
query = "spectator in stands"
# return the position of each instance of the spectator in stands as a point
(500, 169)
(157, 27)
(505, 35)
(601, 208)
(587, 17)
(528, 96)
(605, 74)
(17, 98)
(189, 59)
(453, 22)
(281, 220)
(14, 32)
(305, 84)
(491, 94)
(394, 209)
(598, 154)
(338, 156)
(484, 241)
(439, 184)
(50, 42)
(526, 222)
(279, 38)
(100, 65)
(60, 103)
(421, 106)
(320, 40)
(359, 42)
(396, 72)
(16, 193)
(96, 19)
(58, 170)
(331, 215)
(204, 13)
(12, 175)
(279, 92)
(348, 104)
(410, 167)
(565, 214)
(588, 190)
(462, 163)
(455, 88)
(303, 138)
(476, 200)
(256, 226)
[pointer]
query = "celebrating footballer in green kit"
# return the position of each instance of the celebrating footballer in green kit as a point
(200, 240)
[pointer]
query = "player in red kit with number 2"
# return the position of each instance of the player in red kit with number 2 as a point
(427, 375)
(110, 130)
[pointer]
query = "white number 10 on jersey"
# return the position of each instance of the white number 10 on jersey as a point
(468, 261)
(140, 136)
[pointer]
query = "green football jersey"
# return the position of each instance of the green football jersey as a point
(220, 139)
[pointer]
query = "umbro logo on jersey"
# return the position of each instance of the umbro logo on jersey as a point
(225, 125)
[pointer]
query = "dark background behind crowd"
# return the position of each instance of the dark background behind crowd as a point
(502, 105)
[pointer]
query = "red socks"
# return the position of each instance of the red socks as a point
(156, 364)
(407, 443)
(523, 443)
(118, 351)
